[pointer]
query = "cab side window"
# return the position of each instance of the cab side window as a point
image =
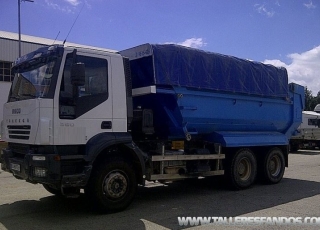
(96, 76)
(78, 100)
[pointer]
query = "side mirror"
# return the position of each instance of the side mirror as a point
(78, 74)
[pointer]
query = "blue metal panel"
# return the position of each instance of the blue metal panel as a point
(205, 111)
(179, 111)
(242, 139)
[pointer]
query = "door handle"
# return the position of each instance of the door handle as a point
(106, 125)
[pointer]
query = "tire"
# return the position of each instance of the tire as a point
(273, 166)
(52, 190)
(242, 171)
(112, 186)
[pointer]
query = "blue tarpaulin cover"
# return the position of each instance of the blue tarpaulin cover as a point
(176, 65)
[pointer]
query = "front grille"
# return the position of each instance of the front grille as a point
(21, 132)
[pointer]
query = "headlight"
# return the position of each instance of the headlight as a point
(39, 172)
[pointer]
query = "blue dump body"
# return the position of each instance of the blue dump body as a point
(218, 98)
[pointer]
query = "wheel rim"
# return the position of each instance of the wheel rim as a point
(274, 166)
(244, 169)
(115, 185)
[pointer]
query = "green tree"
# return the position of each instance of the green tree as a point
(309, 100)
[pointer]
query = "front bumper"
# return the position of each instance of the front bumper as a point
(52, 169)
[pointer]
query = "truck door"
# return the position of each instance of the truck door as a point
(86, 110)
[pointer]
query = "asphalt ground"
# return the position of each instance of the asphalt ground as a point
(158, 206)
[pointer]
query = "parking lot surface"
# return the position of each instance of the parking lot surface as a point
(158, 206)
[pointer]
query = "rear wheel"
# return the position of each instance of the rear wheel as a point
(273, 166)
(112, 186)
(243, 169)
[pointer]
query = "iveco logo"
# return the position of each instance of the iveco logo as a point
(16, 111)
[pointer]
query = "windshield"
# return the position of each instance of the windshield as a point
(33, 81)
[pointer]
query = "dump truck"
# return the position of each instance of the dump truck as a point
(104, 122)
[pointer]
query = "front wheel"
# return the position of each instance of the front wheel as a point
(112, 186)
(243, 169)
(273, 166)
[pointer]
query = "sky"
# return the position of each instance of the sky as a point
(278, 32)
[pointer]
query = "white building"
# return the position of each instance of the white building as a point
(9, 51)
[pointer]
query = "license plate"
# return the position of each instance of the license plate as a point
(15, 167)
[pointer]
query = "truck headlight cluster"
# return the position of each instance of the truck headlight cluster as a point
(39, 172)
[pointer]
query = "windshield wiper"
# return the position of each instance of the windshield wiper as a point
(29, 95)
(15, 97)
